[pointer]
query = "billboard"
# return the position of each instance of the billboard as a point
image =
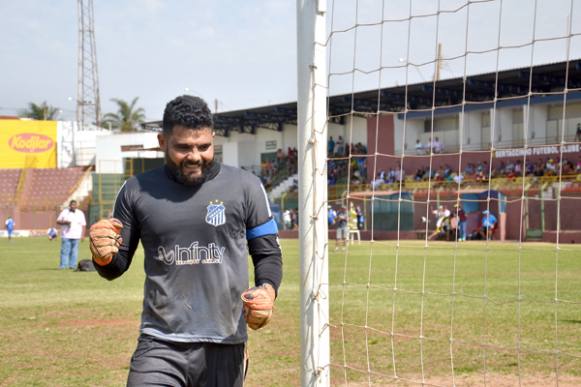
(28, 144)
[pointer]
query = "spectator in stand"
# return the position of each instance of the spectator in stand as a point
(429, 146)
(488, 224)
(470, 169)
(568, 168)
(9, 223)
(420, 150)
(340, 147)
(375, 184)
(482, 172)
(550, 168)
(437, 146)
(419, 174)
(331, 146)
(518, 170)
(458, 178)
(539, 169)
(578, 132)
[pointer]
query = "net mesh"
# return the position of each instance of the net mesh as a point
(444, 114)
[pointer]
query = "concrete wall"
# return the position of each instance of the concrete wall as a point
(109, 156)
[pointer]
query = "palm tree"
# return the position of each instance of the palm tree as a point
(127, 118)
(40, 112)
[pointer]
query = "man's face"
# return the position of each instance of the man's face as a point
(73, 206)
(189, 153)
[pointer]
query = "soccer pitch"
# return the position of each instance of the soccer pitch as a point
(496, 302)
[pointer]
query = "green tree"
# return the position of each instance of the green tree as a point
(127, 118)
(40, 112)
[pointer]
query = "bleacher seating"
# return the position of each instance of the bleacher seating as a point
(8, 185)
(49, 188)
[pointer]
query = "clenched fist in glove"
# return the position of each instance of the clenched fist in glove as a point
(258, 303)
(105, 240)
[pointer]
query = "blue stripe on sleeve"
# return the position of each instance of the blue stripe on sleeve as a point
(268, 228)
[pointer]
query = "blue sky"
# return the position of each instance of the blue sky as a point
(240, 52)
(244, 52)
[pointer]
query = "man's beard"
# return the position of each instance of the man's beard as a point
(186, 179)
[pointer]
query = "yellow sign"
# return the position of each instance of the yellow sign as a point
(27, 144)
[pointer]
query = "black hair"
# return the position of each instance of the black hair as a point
(189, 111)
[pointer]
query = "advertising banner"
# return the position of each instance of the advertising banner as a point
(28, 144)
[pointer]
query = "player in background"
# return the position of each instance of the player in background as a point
(196, 220)
(9, 223)
(342, 232)
(461, 218)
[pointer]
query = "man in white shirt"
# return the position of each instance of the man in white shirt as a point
(420, 148)
(438, 146)
(73, 225)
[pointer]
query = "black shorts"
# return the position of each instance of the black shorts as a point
(162, 363)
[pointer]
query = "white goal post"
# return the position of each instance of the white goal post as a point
(312, 146)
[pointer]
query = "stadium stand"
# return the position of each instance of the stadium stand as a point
(33, 197)
(47, 188)
(8, 186)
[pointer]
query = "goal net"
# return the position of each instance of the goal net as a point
(453, 171)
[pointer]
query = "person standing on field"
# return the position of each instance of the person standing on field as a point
(197, 220)
(9, 223)
(342, 232)
(73, 224)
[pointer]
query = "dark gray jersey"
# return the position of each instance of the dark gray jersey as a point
(196, 255)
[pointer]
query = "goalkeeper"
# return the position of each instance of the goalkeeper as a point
(197, 220)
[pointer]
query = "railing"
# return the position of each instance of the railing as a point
(573, 182)
(486, 146)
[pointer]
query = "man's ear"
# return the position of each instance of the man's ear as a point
(161, 140)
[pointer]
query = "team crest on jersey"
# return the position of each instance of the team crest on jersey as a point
(216, 215)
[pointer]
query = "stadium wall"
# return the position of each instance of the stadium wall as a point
(77, 147)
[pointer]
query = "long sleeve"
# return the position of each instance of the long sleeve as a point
(130, 235)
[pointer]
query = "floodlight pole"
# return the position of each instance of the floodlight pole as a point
(312, 149)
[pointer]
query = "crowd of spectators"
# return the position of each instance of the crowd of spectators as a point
(392, 175)
(548, 167)
(350, 159)
(339, 163)
(283, 165)
(479, 172)
(338, 166)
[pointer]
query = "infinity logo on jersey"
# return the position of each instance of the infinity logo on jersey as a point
(216, 215)
(192, 255)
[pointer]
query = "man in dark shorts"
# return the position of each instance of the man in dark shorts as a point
(197, 220)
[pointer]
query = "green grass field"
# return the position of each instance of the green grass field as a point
(496, 302)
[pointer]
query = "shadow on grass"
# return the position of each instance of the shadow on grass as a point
(571, 321)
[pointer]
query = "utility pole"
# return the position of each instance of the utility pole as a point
(88, 103)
